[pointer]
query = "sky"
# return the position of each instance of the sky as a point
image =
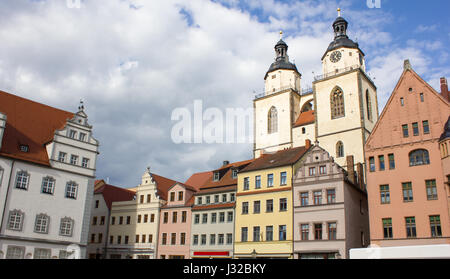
(133, 62)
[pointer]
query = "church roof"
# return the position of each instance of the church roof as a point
(29, 124)
(305, 118)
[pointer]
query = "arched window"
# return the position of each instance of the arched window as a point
(419, 157)
(337, 103)
(339, 149)
(272, 120)
(369, 105)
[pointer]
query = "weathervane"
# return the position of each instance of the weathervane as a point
(339, 12)
(281, 35)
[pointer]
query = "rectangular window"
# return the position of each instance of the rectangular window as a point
(141, 198)
(435, 226)
(283, 204)
(73, 159)
(232, 197)
(164, 239)
(332, 234)
(199, 200)
(137, 239)
(407, 192)
(283, 178)
(15, 220)
(426, 127)
(234, 173)
(402, 102)
(212, 239)
(385, 194)
(182, 239)
(230, 216)
(221, 217)
(270, 180)
(391, 161)
(85, 163)
(120, 220)
(282, 232)
(183, 216)
(269, 206)
(256, 234)
(172, 196)
(422, 99)
(48, 185)
(128, 220)
(305, 231)
(195, 239)
(256, 207)
(15, 252)
(415, 127)
(145, 218)
(174, 217)
(208, 199)
(269, 233)
(119, 239)
(258, 182)
(317, 231)
(387, 228)
(149, 198)
(213, 218)
(246, 183)
(221, 239)
(405, 130)
(62, 156)
(372, 164)
(173, 239)
(381, 162)
(196, 218)
(229, 238)
(113, 220)
(317, 197)
(331, 196)
(224, 197)
(304, 199)
(82, 137)
(410, 227)
(216, 176)
(244, 234)
(205, 218)
(312, 171)
(166, 217)
(245, 208)
(72, 134)
(431, 189)
(323, 169)
(22, 180)
(71, 190)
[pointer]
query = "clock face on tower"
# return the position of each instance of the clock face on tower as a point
(335, 56)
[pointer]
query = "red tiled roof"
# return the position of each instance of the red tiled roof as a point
(226, 178)
(29, 123)
(305, 118)
(198, 179)
(112, 193)
(163, 184)
(214, 206)
(280, 158)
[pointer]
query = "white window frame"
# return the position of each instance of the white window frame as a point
(66, 226)
(48, 185)
(71, 190)
(74, 159)
(85, 162)
(41, 253)
(24, 180)
(15, 220)
(15, 252)
(41, 223)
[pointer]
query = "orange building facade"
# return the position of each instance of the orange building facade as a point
(407, 190)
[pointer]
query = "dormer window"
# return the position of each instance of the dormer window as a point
(24, 148)
(234, 173)
(72, 134)
(180, 196)
(216, 176)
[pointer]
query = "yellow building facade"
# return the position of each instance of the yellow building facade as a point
(264, 209)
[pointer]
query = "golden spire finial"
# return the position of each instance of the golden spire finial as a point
(339, 11)
(281, 35)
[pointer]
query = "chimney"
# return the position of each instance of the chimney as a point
(226, 163)
(444, 89)
(360, 176)
(351, 169)
(307, 144)
(2, 127)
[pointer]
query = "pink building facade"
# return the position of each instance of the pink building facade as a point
(175, 223)
(407, 191)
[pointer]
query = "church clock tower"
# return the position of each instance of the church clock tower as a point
(276, 110)
(345, 98)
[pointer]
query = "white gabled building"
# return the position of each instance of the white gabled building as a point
(47, 172)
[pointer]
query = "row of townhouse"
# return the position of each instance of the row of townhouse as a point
(294, 203)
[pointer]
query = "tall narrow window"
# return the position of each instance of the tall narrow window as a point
(369, 105)
(304, 199)
(332, 234)
(372, 164)
(431, 189)
(331, 196)
(415, 127)
(71, 190)
(244, 234)
(269, 233)
(270, 180)
(381, 161)
(283, 178)
(317, 231)
(410, 227)
(387, 228)
(391, 161)
(385, 194)
(435, 226)
(337, 103)
(405, 130)
(339, 149)
(15, 220)
(41, 223)
(22, 180)
(272, 121)
(48, 185)
(407, 192)
(305, 231)
(426, 127)
(258, 182)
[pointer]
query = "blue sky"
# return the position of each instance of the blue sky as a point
(134, 61)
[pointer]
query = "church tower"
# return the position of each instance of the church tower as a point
(276, 110)
(345, 98)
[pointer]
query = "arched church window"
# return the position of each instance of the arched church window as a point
(272, 121)
(337, 103)
(369, 105)
(339, 149)
(419, 157)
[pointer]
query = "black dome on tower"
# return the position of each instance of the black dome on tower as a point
(282, 59)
